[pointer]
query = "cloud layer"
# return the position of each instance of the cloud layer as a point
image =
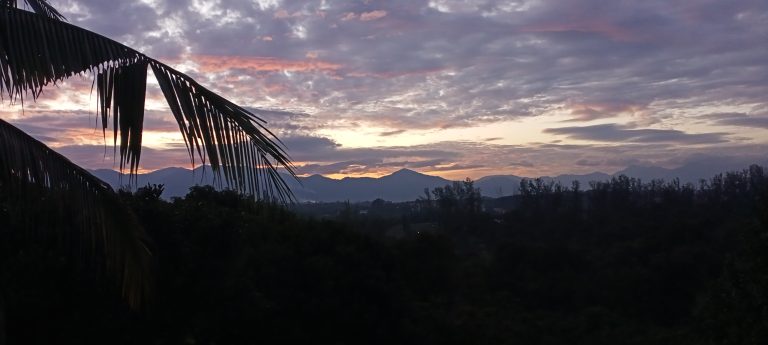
(367, 87)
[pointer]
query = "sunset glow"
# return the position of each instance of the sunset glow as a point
(450, 88)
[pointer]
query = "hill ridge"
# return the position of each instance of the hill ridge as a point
(401, 185)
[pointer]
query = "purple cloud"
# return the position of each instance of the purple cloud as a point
(617, 133)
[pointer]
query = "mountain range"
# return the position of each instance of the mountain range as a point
(402, 185)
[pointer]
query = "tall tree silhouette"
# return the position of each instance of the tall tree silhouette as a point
(38, 49)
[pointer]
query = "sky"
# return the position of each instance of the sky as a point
(451, 88)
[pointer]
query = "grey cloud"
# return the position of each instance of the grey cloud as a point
(333, 168)
(101, 157)
(126, 21)
(277, 115)
(723, 116)
(391, 133)
(52, 125)
(320, 149)
(588, 163)
(624, 162)
(558, 159)
(756, 122)
(524, 163)
(457, 167)
(377, 165)
(284, 121)
(616, 133)
(739, 120)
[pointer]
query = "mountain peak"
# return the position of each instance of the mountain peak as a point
(404, 171)
(316, 177)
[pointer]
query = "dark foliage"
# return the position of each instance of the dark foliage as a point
(624, 262)
(67, 203)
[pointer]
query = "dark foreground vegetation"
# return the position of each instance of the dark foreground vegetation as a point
(622, 262)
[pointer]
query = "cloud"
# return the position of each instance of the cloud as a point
(375, 166)
(214, 64)
(617, 133)
(459, 64)
(469, 62)
(349, 16)
(373, 15)
(523, 163)
(321, 149)
(68, 127)
(102, 157)
(588, 163)
(401, 66)
(455, 167)
(391, 133)
(594, 26)
(740, 120)
(283, 121)
(588, 112)
(455, 160)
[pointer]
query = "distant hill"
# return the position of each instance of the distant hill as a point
(176, 180)
(402, 185)
(498, 185)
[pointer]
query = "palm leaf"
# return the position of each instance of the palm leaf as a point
(121, 93)
(105, 224)
(36, 51)
(226, 134)
(42, 7)
(39, 6)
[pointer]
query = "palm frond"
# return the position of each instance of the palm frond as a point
(39, 6)
(227, 135)
(106, 225)
(42, 7)
(121, 92)
(36, 51)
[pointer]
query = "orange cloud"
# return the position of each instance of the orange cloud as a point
(373, 15)
(213, 64)
(364, 16)
(282, 14)
(348, 16)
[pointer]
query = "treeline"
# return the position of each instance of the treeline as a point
(621, 191)
(620, 262)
